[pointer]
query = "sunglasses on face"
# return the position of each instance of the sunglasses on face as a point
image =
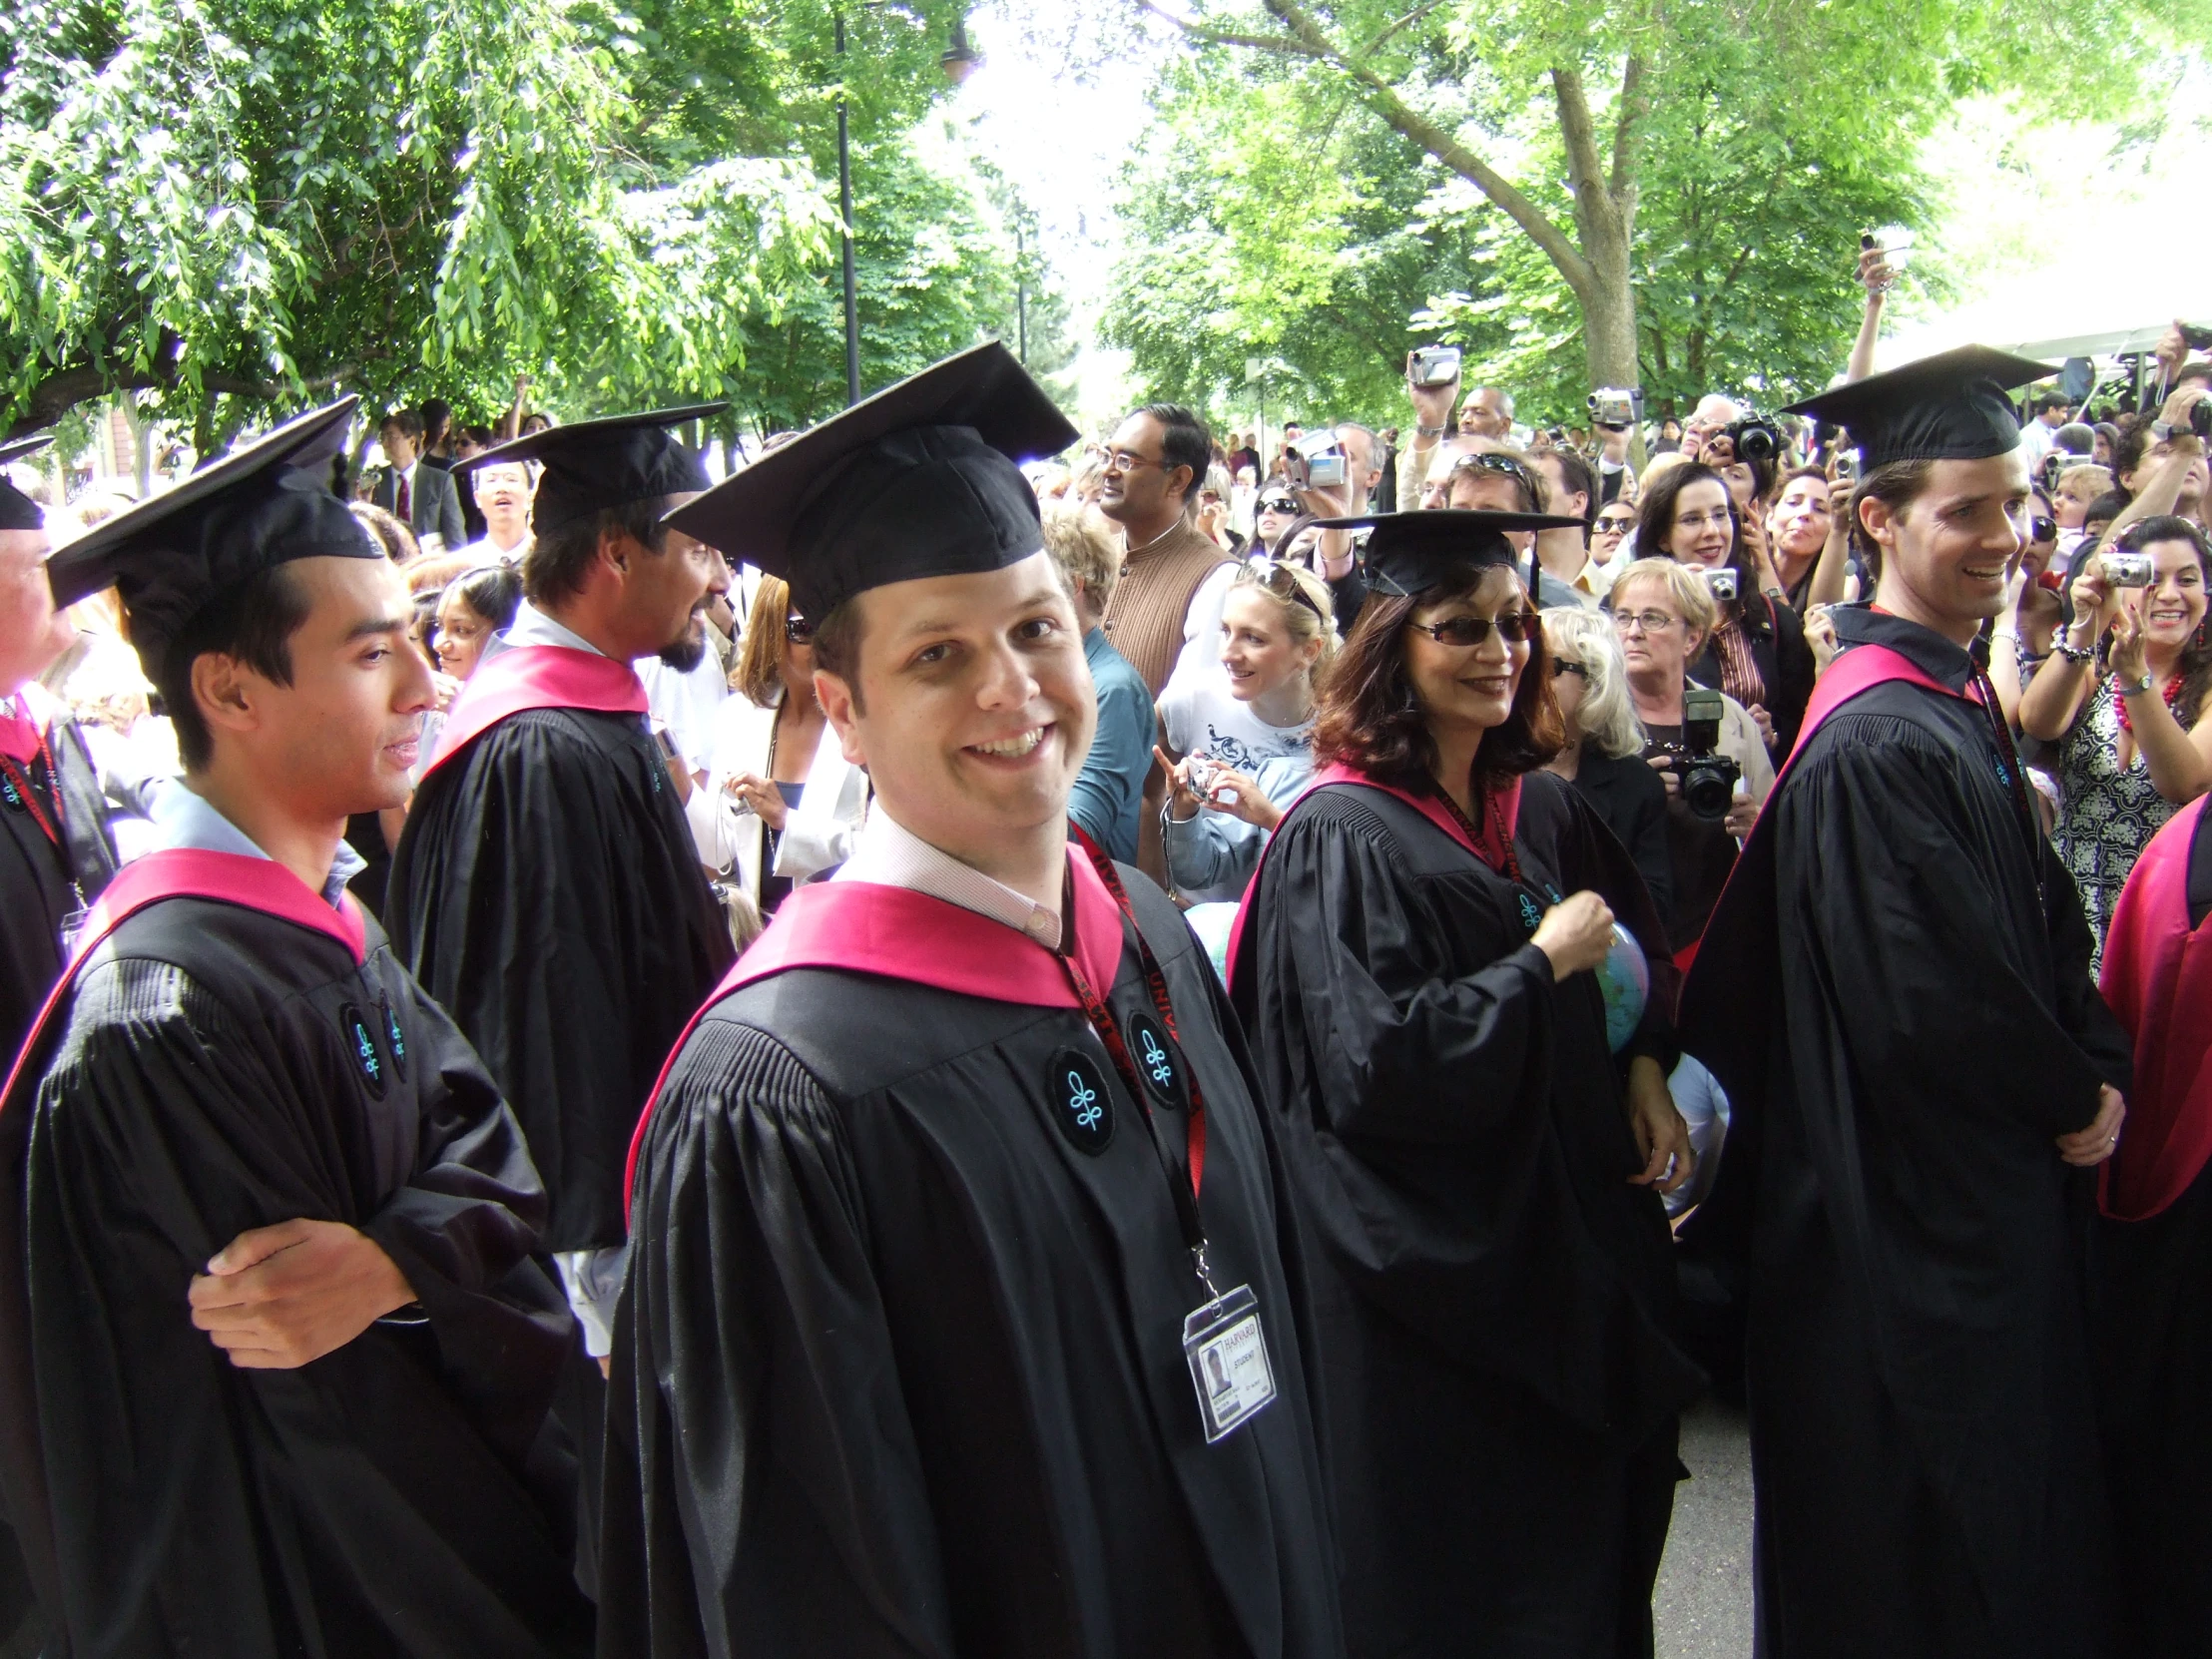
(1280, 504)
(798, 631)
(1561, 666)
(1615, 526)
(1461, 632)
(2042, 529)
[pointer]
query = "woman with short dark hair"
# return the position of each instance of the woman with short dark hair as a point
(1477, 1127)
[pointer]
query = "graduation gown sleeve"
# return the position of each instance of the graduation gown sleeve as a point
(547, 892)
(377, 1500)
(776, 1443)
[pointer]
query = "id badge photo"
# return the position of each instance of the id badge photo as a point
(1228, 1357)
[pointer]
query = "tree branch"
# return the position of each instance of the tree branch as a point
(1277, 44)
(1408, 21)
(1412, 124)
(1635, 104)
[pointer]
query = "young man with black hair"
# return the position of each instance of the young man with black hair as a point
(421, 497)
(275, 1354)
(546, 888)
(958, 1319)
(1165, 616)
(1895, 993)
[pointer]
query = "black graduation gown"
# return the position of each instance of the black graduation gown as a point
(36, 875)
(1904, 1025)
(546, 892)
(207, 1075)
(898, 1368)
(1631, 799)
(1495, 1299)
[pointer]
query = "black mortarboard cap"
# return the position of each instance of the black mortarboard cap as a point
(1949, 408)
(592, 465)
(264, 505)
(17, 510)
(919, 480)
(1407, 552)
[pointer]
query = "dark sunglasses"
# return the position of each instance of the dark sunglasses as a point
(1617, 524)
(1280, 504)
(1560, 666)
(1279, 581)
(2042, 529)
(797, 630)
(1460, 632)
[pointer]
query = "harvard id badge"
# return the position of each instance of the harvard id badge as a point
(1228, 1361)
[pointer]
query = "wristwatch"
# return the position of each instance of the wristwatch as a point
(2130, 687)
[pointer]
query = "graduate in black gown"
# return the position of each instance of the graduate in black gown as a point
(275, 1359)
(55, 852)
(546, 888)
(1895, 993)
(1477, 1171)
(916, 1356)
(2153, 1248)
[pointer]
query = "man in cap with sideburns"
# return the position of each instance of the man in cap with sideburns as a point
(956, 1319)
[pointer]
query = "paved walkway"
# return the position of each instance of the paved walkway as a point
(1703, 1605)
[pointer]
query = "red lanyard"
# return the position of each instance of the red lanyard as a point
(1492, 815)
(19, 780)
(1185, 1174)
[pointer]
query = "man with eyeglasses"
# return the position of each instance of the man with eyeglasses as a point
(1165, 616)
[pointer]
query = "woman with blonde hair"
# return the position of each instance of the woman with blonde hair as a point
(782, 802)
(1278, 633)
(1604, 748)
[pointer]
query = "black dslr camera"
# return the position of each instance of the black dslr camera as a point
(1755, 438)
(1708, 777)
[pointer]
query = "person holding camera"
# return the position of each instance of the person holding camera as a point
(1278, 635)
(2122, 695)
(1756, 649)
(1664, 614)
(1424, 965)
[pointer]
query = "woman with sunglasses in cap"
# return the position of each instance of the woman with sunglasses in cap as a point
(1278, 635)
(782, 802)
(1477, 1140)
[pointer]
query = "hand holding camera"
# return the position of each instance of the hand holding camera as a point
(1432, 381)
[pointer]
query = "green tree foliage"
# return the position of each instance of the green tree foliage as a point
(216, 201)
(1640, 149)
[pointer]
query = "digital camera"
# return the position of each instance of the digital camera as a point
(1709, 778)
(1721, 584)
(1615, 405)
(1435, 365)
(1755, 438)
(1315, 462)
(2129, 570)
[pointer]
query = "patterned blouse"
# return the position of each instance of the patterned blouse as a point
(2106, 816)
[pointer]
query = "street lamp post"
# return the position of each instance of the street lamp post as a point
(959, 62)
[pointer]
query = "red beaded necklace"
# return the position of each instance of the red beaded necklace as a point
(2172, 695)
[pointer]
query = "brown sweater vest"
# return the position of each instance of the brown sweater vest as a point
(1146, 616)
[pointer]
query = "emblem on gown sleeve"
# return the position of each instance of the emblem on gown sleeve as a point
(397, 1044)
(360, 1042)
(1158, 1064)
(1075, 1090)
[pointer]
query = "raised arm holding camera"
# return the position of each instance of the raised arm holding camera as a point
(2131, 745)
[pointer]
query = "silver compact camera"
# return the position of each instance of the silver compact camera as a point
(2129, 570)
(1721, 584)
(1615, 407)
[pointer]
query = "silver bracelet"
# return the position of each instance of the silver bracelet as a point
(2072, 653)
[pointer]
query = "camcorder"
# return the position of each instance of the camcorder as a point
(1721, 584)
(2196, 337)
(2129, 570)
(1754, 438)
(1435, 365)
(1616, 406)
(1709, 778)
(1315, 462)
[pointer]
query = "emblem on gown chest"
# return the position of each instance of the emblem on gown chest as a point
(360, 1042)
(1080, 1103)
(397, 1043)
(1157, 1062)
(1530, 914)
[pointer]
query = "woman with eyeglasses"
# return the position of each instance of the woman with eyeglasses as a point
(1602, 753)
(1756, 650)
(1474, 1159)
(1274, 521)
(1277, 633)
(782, 802)
(1616, 520)
(1663, 614)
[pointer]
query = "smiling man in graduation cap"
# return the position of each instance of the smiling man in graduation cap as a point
(956, 1320)
(275, 1359)
(546, 888)
(1895, 993)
